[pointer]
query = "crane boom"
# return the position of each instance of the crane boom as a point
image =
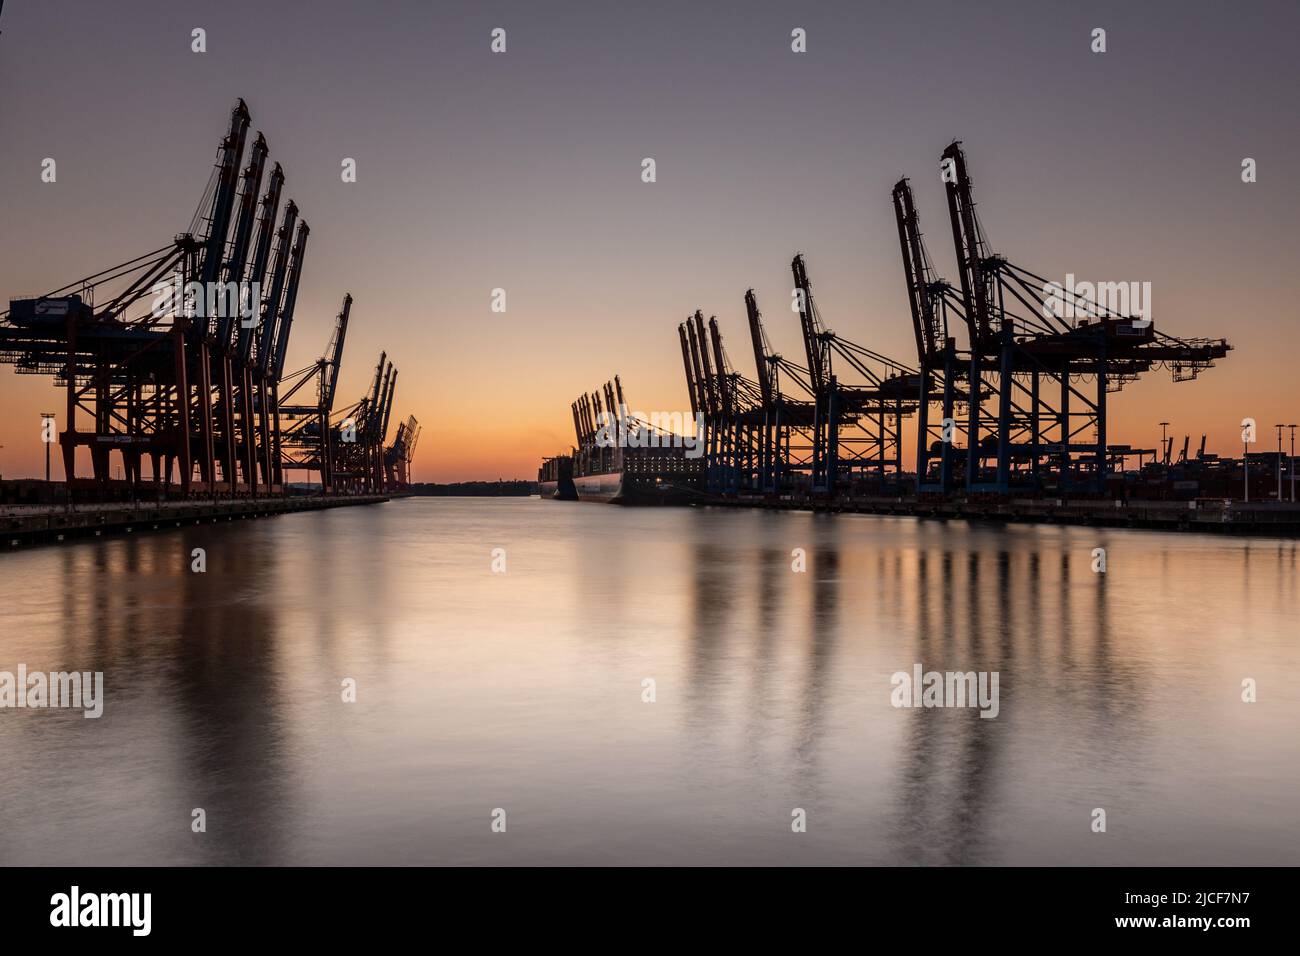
(810, 323)
(223, 201)
(271, 302)
(720, 358)
(238, 261)
(335, 356)
(969, 245)
(929, 337)
(290, 298)
(760, 349)
(702, 391)
(686, 363)
(377, 410)
(388, 407)
(710, 386)
(262, 252)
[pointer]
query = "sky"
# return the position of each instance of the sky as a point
(522, 171)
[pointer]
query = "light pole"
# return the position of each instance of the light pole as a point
(1245, 466)
(1291, 464)
(1164, 459)
(47, 419)
(1279, 460)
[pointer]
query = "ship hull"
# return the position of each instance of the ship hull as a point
(618, 489)
(658, 476)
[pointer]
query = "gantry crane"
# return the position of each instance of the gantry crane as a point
(857, 429)
(193, 383)
(1022, 353)
(170, 383)
(305, 440)
(941, 368)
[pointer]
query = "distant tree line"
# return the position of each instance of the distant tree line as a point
(476, 489)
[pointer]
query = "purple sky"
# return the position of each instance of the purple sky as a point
(522, 171)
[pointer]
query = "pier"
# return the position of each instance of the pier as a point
(1215, 516)
(27, 525)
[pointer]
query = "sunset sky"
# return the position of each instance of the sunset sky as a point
(522, 171)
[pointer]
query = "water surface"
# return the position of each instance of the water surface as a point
(522, 690)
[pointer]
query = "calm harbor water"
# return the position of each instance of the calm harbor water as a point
(523, 690)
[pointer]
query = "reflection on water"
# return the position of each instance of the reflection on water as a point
(523, 690)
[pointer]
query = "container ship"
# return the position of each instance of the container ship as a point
(623, 476)
(663, 473)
